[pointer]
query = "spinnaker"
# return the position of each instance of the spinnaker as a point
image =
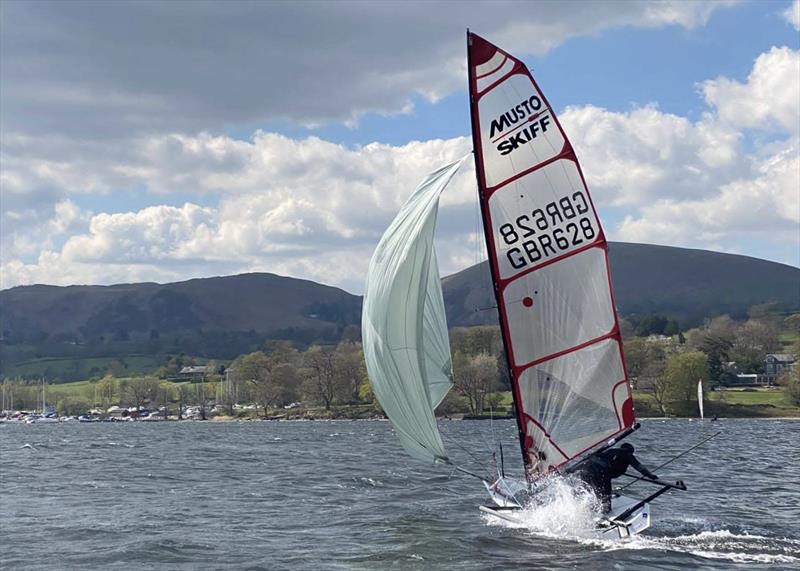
(403, 323)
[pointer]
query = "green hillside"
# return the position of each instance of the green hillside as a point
(69, 333)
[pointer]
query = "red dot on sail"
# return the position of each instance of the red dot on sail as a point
(527, 301)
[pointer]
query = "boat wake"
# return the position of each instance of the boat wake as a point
(721, 544)
(567, 510)
(563, 509)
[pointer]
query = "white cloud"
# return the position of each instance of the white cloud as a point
(311, 208)
(769, 99)
(306, 207)
(792, 14)
(96, 69)
(766, 205)
(632, 158)
(756, 195)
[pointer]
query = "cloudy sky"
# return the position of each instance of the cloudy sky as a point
(151, 141)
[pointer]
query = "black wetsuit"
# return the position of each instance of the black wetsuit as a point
(600, 469)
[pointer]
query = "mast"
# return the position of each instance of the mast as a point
(489, 238)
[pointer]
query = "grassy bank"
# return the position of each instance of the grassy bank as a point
(732, 403)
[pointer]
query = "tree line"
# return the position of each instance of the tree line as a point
(328, 376)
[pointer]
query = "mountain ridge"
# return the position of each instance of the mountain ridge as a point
(223, 316)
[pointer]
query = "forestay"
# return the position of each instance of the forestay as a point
(549, 262)
(404, 329)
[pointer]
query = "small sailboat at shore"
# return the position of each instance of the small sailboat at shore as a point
(549, 265)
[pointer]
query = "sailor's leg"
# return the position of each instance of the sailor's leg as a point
(605, 494)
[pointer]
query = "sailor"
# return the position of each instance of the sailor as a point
(601, 468)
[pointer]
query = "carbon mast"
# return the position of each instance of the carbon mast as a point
(488, 237)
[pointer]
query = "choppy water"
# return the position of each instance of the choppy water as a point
(341, 495)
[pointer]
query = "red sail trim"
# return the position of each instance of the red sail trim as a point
(516, 70)
(565, 153)
(502, 63)
(547, 435)
(614, 401)
(599, 242)
(585, 450)
(525, 366)
(484, 50)
(616, 322)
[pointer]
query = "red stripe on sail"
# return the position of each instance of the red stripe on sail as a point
(565, 153)
(598, 243)
(517, 68)
(547, 435)
(525, 366)
(502, 63)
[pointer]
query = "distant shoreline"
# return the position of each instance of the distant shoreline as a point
(225, 420)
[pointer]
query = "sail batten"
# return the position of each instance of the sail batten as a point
(549, 262)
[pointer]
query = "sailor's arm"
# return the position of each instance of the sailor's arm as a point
(642, 469)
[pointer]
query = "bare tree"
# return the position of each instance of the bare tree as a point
(475, 378)
(140, 391)
(256, 370)
(107, 391)
(321, 374)
(350, 369)
(286, 379)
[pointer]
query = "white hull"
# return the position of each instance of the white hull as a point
(508, 493)
(607, 527)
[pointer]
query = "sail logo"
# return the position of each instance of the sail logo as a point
(530, 120)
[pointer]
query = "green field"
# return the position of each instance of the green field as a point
(82, 389)
(71, 368)
(736, 402)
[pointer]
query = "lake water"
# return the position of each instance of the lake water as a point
(342, 495)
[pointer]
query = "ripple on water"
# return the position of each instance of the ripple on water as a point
(335, 496)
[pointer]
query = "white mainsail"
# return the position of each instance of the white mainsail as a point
(549, 263)
(404, 328)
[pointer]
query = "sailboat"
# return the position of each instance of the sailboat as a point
(549, 266)
(700, 398)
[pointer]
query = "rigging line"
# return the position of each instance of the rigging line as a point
(681, 455)
(482, 463)
(485, 443)
(457, 444)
